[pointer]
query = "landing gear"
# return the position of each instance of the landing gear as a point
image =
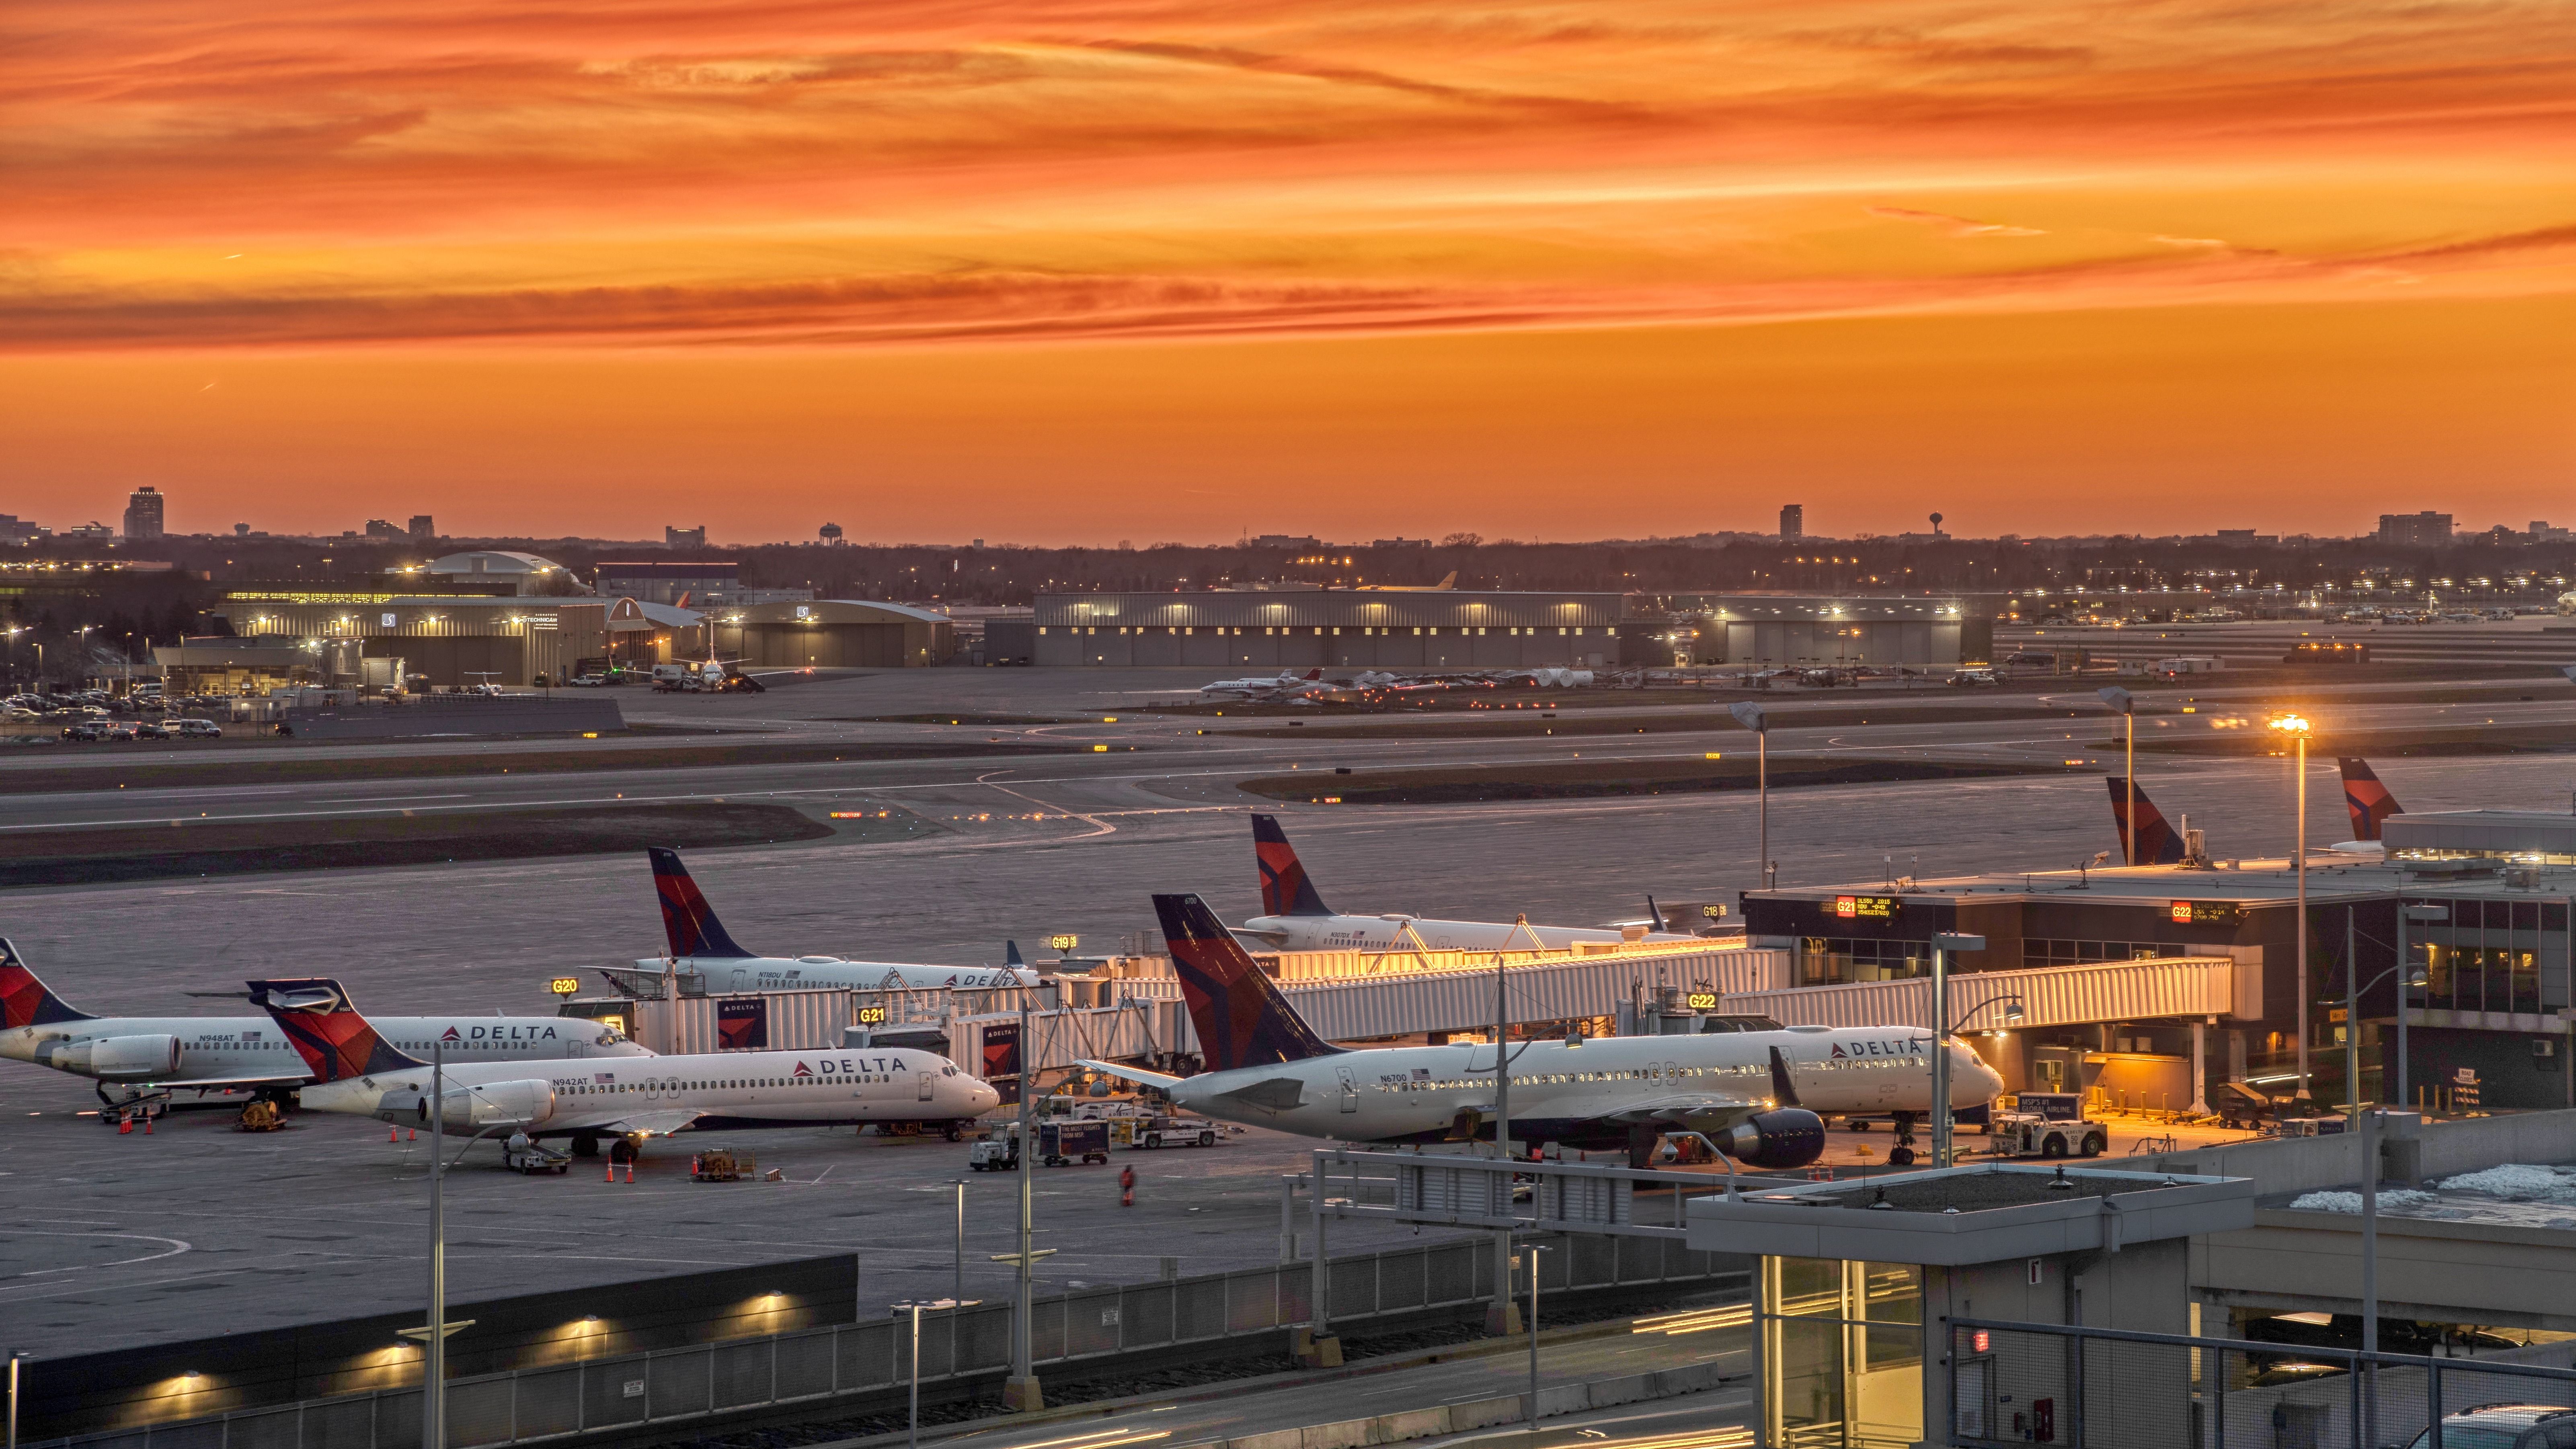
(953, 1131)
(1642, 1142)
(585, 1146)
(1902, 1154)
(624, 1149)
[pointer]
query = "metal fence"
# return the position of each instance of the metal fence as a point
(2020, 1383)
(688, 1386)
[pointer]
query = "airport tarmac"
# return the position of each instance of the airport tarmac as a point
(123, 1239)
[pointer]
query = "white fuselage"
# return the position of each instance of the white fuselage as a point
(250, 1049)
(669, 1093)
(1384, 933)
(724, 974)
(1564, 1093)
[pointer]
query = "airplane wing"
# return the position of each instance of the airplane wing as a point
(1698, 1111)
(650, 1124)
(225, 1084)
(1133, 1074)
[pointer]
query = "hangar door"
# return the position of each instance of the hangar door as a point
(466, 659)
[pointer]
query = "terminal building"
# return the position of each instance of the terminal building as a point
(1332, 629)
(2159, 984)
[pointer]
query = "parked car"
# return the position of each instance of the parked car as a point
(2505, 1426)
(197, 729)
(154, 730)
(118, 732)
(85, 731)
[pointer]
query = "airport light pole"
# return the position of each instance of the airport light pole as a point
(433, 1363)
(1502, 1315)
(1530, 1416)
(2297, 729)
(2127, 704)
(1749, 715)
(14, 1356)
(1942, 945)
(912, 1432)
(1021, 1393)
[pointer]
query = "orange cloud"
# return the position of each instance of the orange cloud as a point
(790, 177)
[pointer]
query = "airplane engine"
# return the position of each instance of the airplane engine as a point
(115, 1058)
(1788, 1137)
(495, 1104)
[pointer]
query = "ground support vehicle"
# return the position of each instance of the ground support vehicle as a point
(1159, 1132)
(1060, 1144)
(721, 1164)
(2046, 1125)
(521, 1153)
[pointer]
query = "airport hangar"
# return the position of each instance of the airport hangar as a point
(508, 640)
(1818, 631)
(2124, 974)
(1486, 628)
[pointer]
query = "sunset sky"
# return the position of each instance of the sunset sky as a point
(1082, 272)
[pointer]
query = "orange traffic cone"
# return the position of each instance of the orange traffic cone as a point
(392, 1133)
(608, 1173)
(124, 1126)
(147, 1124)
(415, 1134)
(630, 1171)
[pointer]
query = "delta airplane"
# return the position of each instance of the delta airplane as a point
(356, 1070)
(1261, 684)
(1755, 1096)
(133, 1058)
(2158, 843)
(1295, 918)
(701, 947)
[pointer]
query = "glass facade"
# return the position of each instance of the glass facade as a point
(1842, 1353)
(2494, 955)
(2036, 951)
(1834, 960)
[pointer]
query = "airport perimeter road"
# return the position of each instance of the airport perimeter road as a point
(107, 1239)
(1211, 1414)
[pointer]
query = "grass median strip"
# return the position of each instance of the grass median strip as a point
(185, 848)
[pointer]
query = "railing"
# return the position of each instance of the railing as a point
(2091, 1388)
(693, 1385)
(1451, 1190)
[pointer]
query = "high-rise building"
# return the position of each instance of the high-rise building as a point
(684, 537)
(421, 527)
(143, 513)
(2414, 530)
(1793, 522)
(382, 528)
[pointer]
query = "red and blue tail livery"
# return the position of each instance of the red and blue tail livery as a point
(2367, 799)
(26, 1001)
(1285, 888)
(1242, 1019)
(326, 1029)
(2155, 842)
(687, 919)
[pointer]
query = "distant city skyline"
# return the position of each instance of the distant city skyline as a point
(1066, 271)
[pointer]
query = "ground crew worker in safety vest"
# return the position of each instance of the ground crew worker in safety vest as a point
(1127, 1186)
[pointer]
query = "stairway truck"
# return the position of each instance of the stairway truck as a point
(2046, 1125)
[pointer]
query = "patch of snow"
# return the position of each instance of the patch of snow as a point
(2396, 1199)
(2516, 1182)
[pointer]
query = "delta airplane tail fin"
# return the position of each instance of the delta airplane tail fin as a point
(2157, 842)
(27, 1001)
(687, 919)
(1242, 1019)
(1285, 889)
(335, 1041)
(2367, 799)
(1011, 956)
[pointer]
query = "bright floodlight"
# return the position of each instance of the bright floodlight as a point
(2290, 724)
